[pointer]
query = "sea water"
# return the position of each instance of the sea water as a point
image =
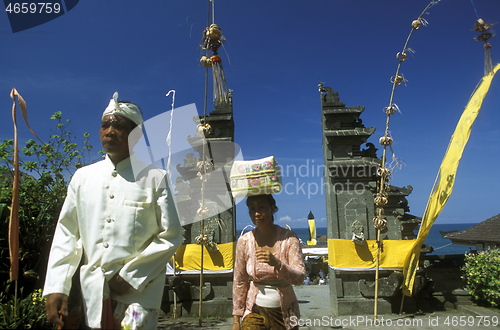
(435, 239)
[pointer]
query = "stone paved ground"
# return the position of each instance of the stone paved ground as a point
(187, 323)
(314, 303)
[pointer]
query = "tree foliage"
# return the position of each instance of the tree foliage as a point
(46, 169)
(29, 313)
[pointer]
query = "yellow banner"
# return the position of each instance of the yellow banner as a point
(446, 176)
(344, 254)
(188, 257)
(312, 232)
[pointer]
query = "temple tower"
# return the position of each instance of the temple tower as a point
(351, 178)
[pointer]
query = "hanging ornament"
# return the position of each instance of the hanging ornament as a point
(485, 34)
(385, 140)
(381, 200)
(207, 242)
(379, 222)
(417, 24)
(397, 80)
(221, 94)
(206, 62)
(212, 40)
(204, 129)
(401, 56)
(205, 168)
(203, 212)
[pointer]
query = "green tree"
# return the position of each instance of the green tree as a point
(46, 170)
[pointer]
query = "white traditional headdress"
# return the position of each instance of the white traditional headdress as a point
(128, 110)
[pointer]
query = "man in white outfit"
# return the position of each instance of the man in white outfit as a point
(120, 227)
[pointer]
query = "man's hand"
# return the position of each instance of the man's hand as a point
(56, 304)
(119, 285)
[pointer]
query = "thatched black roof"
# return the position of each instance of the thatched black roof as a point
(487, 231)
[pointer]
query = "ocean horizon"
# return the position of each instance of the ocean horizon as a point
(440, 245)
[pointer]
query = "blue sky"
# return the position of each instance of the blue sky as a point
(275, 55)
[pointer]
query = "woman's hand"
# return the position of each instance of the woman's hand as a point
(236, 323)
(264, 255)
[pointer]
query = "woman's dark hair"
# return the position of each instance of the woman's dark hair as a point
(270, 199)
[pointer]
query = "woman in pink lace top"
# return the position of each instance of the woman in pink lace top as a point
(268, 262)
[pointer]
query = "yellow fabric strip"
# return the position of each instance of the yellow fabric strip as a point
(343, 253)
(188, 257)
(312, 232)
(446, 176)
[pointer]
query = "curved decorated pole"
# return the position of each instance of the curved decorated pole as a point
(384, 171)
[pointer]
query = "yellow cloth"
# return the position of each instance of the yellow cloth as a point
(446, 176)
(188, 257)
(312, 232)
(347, 255)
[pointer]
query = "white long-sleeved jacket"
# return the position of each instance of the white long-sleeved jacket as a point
(118, 224)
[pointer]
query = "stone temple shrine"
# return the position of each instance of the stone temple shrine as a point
(351, 179)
